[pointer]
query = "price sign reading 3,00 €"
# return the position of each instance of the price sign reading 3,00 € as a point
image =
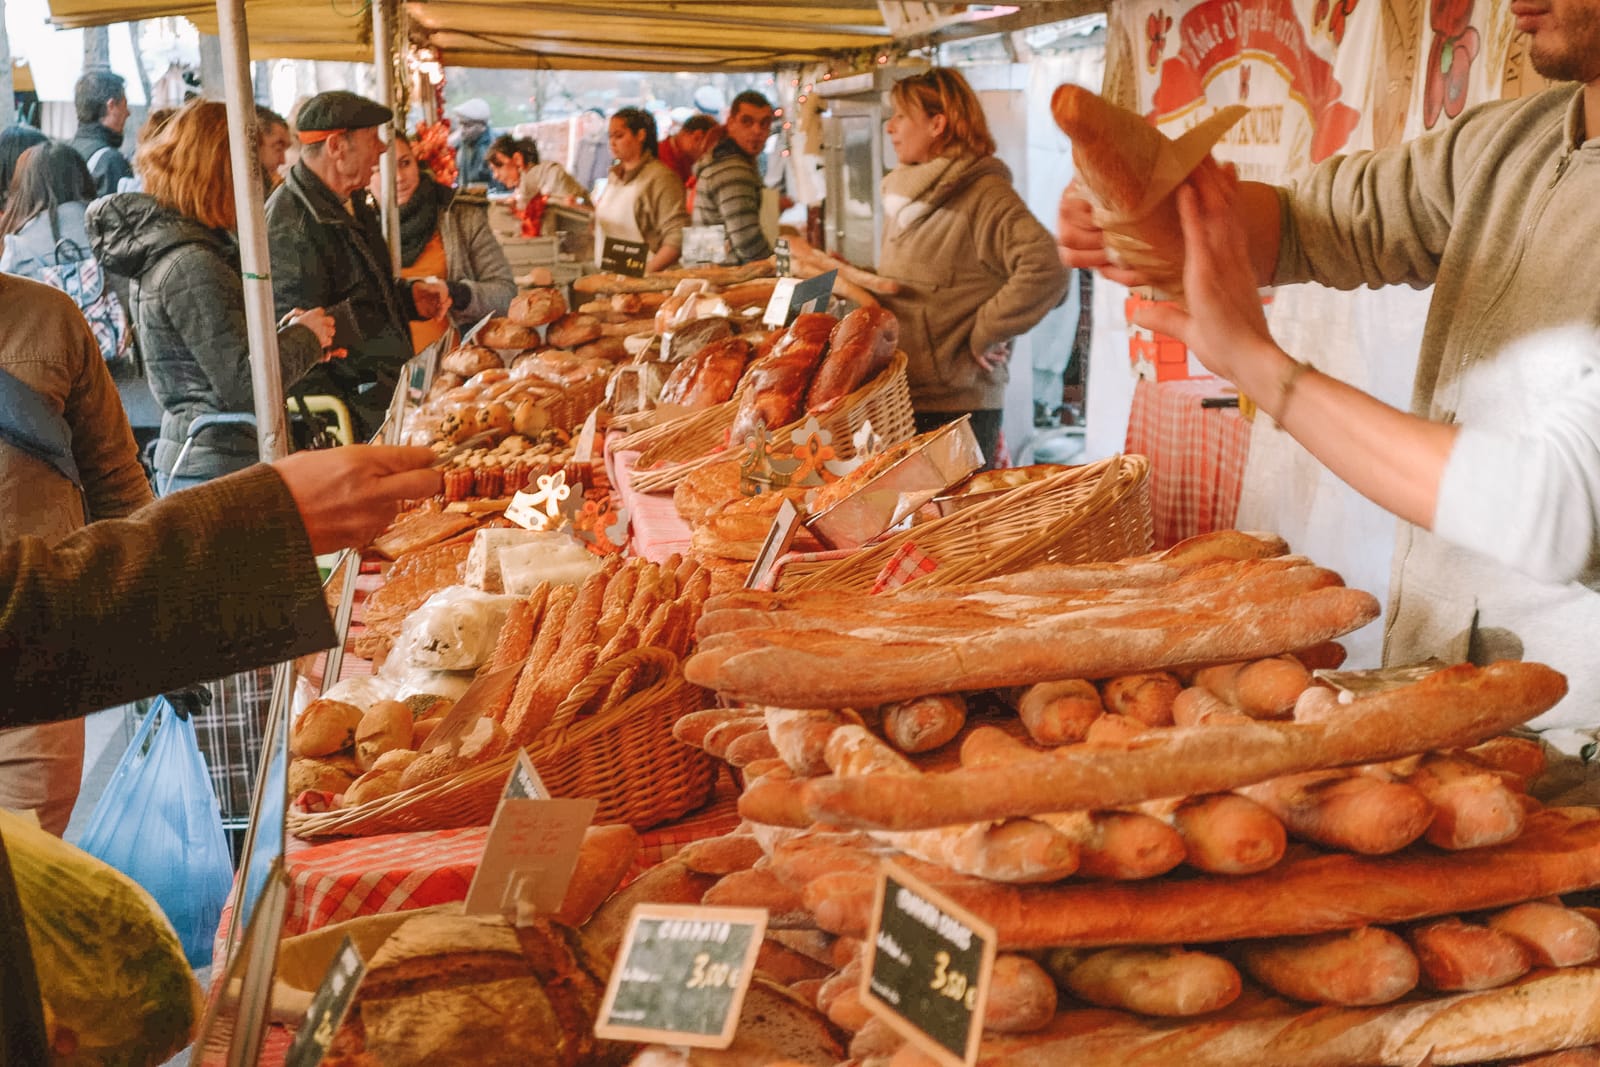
(681, 976)
(928, 967)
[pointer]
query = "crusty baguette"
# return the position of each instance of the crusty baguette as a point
(751, 747)
(758, 887)
(1015, 850)
(722, 855)
(1454, 707)
(1342, 809)
(604, 857)
(1553, 935)
(1262, 689)
(1168, 982)
(801, 736)
(911, 648)
(1199, 706)
(1358, 968)
(924, 723)
(1114, 149)
(1472, 806)
(1116, 731)
(1146, 696)
(1224, 833)
(1059, 713)
(1518, 755)
(692, 728)
(1457, 956)
(1022, 996)
(1546, 1011)
(1309, 895)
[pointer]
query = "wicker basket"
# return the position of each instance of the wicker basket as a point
(1084, 514)
(626, 758)
(885, 401)
(575, 401)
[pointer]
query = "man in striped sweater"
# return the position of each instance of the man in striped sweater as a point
(728, 187)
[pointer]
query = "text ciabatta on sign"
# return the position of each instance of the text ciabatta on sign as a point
(681, 976)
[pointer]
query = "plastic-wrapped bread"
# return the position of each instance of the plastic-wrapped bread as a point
(859, 348)
(779, 380)
(709, 377)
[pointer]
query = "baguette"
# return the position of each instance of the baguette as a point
(1457, 956)
(722, 855)
(751, 747)
(1472, 806)
(1546, 1011)
(801, 736)
(1360, 968)
(1344, 810)
(1454, 707)
(603, 859)
(1199, 706)
(1297, 897)
(925, 723)
(1022, 996)
(1147, 696)
(1553, 935)
(692, 728)
(1514, 755)
(758, 887)
(1167, 982)
(1115, 731)
(1059, 713)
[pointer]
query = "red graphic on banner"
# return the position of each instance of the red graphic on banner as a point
(1455, 46)
(1336, 13)
(1217, 32)
(1155, 31)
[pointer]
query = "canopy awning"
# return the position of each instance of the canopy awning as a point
(667, 35)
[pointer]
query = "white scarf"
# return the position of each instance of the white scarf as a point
(905, 189)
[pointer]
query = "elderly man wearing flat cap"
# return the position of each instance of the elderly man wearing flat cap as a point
(472, 144)
(328, 251)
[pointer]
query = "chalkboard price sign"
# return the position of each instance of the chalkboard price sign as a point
(682, 974)
(624, 257)
(927, 974)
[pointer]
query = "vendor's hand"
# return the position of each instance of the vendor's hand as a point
(347, 496)
(1082, 244)
(317, 321)
(1222, 321)
(432, 299)
(994, 356)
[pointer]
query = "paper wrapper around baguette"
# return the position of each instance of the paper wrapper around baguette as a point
(1131, 171)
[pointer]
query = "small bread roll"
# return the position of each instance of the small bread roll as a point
(396, 759)
(572, 330)
(385, 726)
(537, 307)
(317, 775)
(503, 333)
(372, 786)
(427, 767)
(325, 727)
(422, 728)
(469, 360)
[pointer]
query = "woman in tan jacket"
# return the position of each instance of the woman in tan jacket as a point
(643, 199)
(976, 268)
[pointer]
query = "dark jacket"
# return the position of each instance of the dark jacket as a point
(106, 168)
(324, 256)
(188, 307)
(203, 583)
(472, 161)
(727, 193)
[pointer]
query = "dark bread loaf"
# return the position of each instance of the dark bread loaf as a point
(710, 376)
(859, 348)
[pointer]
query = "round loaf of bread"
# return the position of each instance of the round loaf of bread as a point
(503, 333)
(396, 759)
(471, 359)
(374, 785)
(537, 307)
(317, 775)
(385, 726)
(325, 727)
(572, 330)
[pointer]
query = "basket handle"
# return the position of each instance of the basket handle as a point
(603, 675)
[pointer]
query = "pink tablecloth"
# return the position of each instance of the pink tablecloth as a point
(658, 529)
(1197, 455)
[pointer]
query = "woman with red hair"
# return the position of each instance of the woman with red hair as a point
(177, 241)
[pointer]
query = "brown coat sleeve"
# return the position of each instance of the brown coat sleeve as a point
(201, 584)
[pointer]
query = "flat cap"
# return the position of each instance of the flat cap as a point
(474, 110)
(340, 110)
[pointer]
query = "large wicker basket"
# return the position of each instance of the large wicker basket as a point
(1084, 514)
(626, 758)
(693, 442)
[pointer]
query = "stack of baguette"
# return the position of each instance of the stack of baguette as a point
(558, 638)
(1190, 852)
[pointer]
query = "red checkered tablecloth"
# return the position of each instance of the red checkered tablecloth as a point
(658, 529)
(1197, 455)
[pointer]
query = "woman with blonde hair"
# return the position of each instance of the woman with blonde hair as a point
(976, 268)
(177, 242)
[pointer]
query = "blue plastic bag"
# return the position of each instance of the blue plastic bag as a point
(159, 823)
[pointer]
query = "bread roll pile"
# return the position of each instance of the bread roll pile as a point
(1189, 853)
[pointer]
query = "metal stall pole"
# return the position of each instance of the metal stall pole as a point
(383, 23)
(254, 258)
